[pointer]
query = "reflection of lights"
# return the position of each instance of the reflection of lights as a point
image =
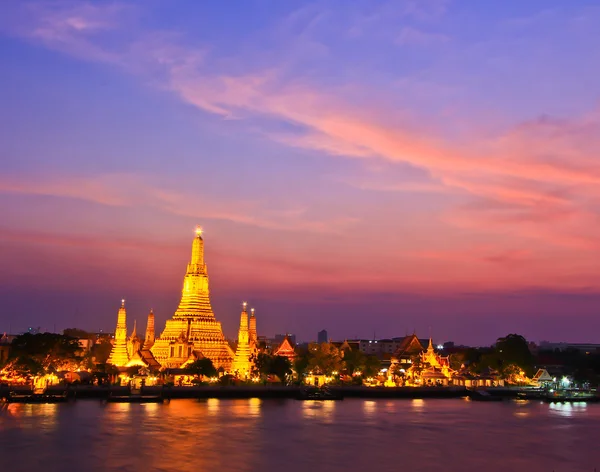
(418, 404)
(567, 409)
(369, 406)
(213, 405)
(254, 406)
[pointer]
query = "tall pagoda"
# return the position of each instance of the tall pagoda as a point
(241, 363)
(193, 332)
(119, 355)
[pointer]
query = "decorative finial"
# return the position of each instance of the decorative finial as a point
(199, 230)
(244, 304)
(123, 302)
(252, 310)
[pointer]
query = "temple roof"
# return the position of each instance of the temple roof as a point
(410, 345)
(285, 348)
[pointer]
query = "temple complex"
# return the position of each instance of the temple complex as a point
(119, 355)
(242, 364)
(193, 332)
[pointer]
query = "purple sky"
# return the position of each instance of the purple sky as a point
(359, 166)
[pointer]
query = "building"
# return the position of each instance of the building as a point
(242, 364)
(585, 348)
(286, 349)
(132, 351)
(119, 355)
(193, 332)
(322, 337)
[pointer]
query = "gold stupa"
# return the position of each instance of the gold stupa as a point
(119, 355)
(193, 332)
(241, 364)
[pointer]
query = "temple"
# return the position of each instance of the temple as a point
(285, 349)
(119, 355)
(242, 365)
(193, 332)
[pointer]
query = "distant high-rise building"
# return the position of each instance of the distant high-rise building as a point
(322, 336)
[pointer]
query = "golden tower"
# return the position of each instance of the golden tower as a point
(252, 331)
(118, 354)
(149, 340)
(193, 332)
(241, 362)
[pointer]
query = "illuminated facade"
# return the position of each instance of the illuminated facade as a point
(193, 332)
(252, 329)
(242, 364)
(119, 355)
(149, 339)
(285, 349)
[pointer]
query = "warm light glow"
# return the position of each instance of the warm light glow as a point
(199, 230)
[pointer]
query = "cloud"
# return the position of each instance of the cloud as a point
(537, 180)
(133, 190)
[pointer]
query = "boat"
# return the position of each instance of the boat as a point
(321, 394)
(37, 398)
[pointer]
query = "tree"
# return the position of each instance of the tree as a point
(354, 362)
(101, 351)
(52, 351)
(202, 367)
(325, 358)
(372, 366)
(265, 365)
(513, 349)
(281, 367)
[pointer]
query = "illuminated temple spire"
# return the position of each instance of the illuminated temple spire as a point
(149, 340)
(252, 330)
(195, 301)
(119, 355)
(193, 331)
(241, 362)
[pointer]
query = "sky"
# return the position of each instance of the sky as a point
(373, 168)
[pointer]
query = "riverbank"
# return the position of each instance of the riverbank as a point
(198, 392)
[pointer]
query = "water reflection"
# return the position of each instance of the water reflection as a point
(254, 406)
(369, 407)
(248, 435)
(418, 404)
(213, 405)
(567, 409)
(316, 409)
(42, 416)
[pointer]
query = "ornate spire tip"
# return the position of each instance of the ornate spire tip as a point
(198, 230)
(123, 302)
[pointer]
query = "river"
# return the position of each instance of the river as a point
(290, 436)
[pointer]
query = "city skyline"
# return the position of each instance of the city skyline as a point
(361, 167)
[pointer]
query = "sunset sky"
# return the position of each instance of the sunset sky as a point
(371, 168)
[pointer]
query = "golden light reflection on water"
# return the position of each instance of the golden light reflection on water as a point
(369, 407)
(44, 414)
(418, 404)
(212, 405)
(254, 406)
(315, 409)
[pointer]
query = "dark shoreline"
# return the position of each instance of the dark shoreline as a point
(101, 392)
